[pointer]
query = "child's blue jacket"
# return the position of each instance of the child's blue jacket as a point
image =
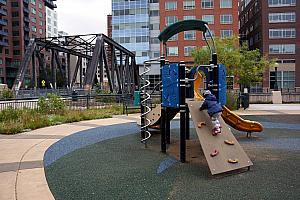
(211, 104)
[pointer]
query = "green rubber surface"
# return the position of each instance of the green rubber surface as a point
(121, 168)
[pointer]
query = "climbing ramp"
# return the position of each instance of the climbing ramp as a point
(209, 143)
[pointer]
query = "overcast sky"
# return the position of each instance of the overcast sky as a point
(83, 16)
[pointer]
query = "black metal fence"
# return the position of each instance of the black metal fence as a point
(74, 102)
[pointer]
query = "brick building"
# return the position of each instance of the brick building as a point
(20, 20)
(273, 26)
(222, 16)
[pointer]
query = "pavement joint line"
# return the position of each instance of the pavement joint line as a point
(19, 167)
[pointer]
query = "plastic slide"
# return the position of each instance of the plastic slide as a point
(222, 152)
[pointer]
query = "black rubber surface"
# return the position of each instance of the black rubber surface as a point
(121, 168)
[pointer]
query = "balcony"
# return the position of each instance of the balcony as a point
(26, 19)
(3, 22)
(3, 2)
(11, 75)
(26, 38)
(26, 1)
(26, 28)
(3, 44)
(3, 33)
(3, 12)
(26, 10)
(50, 4)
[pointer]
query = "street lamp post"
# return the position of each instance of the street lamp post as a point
(276, 84)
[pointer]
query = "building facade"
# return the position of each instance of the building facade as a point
(273, 26)
(135, 25)
(51, 22)
(221, 15)
(20, 20)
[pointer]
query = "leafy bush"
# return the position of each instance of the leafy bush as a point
(7, 94)
(231, 100)
(9, 114)
(54, 104)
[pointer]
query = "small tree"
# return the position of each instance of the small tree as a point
(247, 66)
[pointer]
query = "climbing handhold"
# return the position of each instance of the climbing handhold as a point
(214, 153)
(233, 161)
(229, 142)
(200, 124)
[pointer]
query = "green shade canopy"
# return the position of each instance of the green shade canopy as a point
(185, 25)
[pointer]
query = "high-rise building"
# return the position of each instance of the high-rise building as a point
(273, 26)
(20, 20)
(221, 15)
(135, 25)
(51, 22)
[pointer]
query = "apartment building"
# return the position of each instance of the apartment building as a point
(20, 20)
(273, 26)
(51, 22)
(221, 15)
(135, 25)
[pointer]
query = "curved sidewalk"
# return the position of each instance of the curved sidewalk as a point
(22, 174)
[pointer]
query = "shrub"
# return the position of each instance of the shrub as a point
(231, 100)
(7, 94)
(9, 114)
(54, 104)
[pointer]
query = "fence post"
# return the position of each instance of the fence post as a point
(87, 101)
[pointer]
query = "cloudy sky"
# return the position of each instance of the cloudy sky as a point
(83, 16)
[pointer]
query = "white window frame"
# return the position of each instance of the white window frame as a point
(209, 22)
(169, 7)
(282, 33)
(189, 4)
(225, 3)
(211, 2)
(281, 49)
(280, 3)
(188, 50)
(189, 33)
(281, 17)
(172, 51)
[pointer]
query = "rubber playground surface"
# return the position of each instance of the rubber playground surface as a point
(122, 168)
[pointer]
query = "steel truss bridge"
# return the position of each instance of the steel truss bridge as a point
(103, 55)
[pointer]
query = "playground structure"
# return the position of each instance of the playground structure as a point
(223, 152)
(102, 54)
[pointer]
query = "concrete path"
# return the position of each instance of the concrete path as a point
(21, 158)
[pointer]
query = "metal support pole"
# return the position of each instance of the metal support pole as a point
(34, 75)
(187, 122)
(168, 132)
(182, 113)
(163, 143)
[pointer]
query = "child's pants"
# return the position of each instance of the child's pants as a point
(215, 122)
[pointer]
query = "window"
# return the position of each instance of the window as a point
(189, 17)
(206, 4)
(172, 51)
(15, 23)
(15, 14)
(226, 19)
(282, 17)
(174, 38)
(16, 33)
(14, 4)
(33, 10)
(226, 33)
(33, 28)
(208, 18)
(171, 20)
(40, 6)
(207, 35)
(154, 13)
(189, 4)
(16, 43)
(189, 35)
(40, 15)
(226, 4)
(282, 48)
(33, 2)
(282, 33)
(16, 52)
(154, 40)
(171, 5)
(188, 50)
(285, 79)
(41, 31)
(33, 19)
(279, 3)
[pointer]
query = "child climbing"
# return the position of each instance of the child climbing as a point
(214, 110)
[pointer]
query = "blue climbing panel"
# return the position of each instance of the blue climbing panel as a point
(222, 84)
(170, 86)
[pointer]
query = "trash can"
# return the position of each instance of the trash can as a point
(245, 100)
(137, 98)
(74, 96)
